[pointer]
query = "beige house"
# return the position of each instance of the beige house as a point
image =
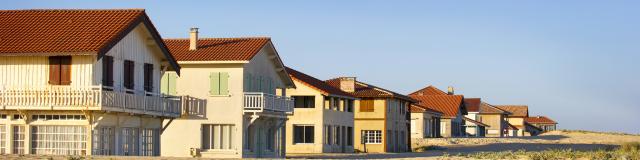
(323, 119)
(82, 82)
(517, 114)
(240, 115)
(490, 120)
(543, 122)
(425, 122)
(452, 123)
(381, 117)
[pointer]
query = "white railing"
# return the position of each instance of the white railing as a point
(192, 106)
(260, 102)
(92, 98)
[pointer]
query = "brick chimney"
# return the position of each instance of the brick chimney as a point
(193, 39)
(348, 84)
(450, 90)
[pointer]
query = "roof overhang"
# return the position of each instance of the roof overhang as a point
(213, 62)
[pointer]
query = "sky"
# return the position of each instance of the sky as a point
(574, 61)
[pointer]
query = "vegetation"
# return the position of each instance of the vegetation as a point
(629, 150)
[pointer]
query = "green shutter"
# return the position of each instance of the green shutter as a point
(164, 84)
(172, 77)
(224, 83)
(271, 89)
(214, 83)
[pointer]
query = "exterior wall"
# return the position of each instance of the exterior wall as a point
(423, 124)
(319, 117)
(495, 122)
(386, 118)
(34, 71)
(223, 109)
(518, 122)
(448, 125)
(397, 125)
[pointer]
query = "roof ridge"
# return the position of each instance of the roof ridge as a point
(218, 38)
(74, 9)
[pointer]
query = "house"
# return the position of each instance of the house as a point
(243, 116)
(323, 119)
(517, 114)
(381, 116)
(425, 122)
(83, 82)
(492, 119)
(543, 122)
(452, 123)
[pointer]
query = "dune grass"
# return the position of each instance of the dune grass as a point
(630, 150)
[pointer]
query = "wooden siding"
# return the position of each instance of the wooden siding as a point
(34, 71)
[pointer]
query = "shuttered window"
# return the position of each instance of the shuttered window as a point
(107, 71)
(219, 83)
(168, 84)
(148, 77)
(128, 74)
(366, 105)
(60, 70)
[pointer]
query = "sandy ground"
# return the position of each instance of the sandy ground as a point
(451, 146)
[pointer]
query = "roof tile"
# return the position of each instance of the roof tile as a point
(217, 49)
(315, 83)
(540, 120)
(447, 104)
(515, 110)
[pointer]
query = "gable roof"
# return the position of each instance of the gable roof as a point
(515, 110)
(417, 108)
(364, 90)
(486, 108)
(217, 49)
(429, 90)
(315, 83)
(540, 120)
(450, 105)
(472, 104)
(475, 122)
(53, 32)
(511, 126)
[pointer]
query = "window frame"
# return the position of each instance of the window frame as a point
(306, 100)
(304, 134)
(372, 136)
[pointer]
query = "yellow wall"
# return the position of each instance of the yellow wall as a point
(386, 117)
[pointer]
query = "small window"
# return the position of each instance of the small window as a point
(60, 70)
(219, 83)
(148, 77)
(349, 105)
(304, 101)
(217, 136)
(303, 134)
(128, 74)
(366, 106)
(372, 136)
(107, 71)
(168, 83)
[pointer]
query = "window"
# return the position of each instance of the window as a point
(3, 116)
(372, 136)
(107, 71)
(217, 136)
(43, 117)
(128, 74)
(349, 136)
(349, 104)
(149, 139)
(17, 116)
(338, 135)
(168, 83)
(366, 105)
(304, 101)
(3, 139)
(219, 83)
(303, 134)
(59, 140)
(18, 139)
(443, 128)
(328, 136)
(129, 142)
(60, 70)
(148, 77)
(103, 141)
(335, 104)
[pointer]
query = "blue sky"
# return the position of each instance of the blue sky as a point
(574, 61)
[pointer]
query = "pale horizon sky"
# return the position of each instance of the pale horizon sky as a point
(574, 61)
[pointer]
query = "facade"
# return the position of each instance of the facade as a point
(381, 117)
(543, 122)
(323, 119)
(68, 91)
(425, 122)
(238, 112)
(517, 114)
(452, 123)
(492, 118)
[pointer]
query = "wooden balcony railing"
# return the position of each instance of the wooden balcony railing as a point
(87, 98)
(261, 102)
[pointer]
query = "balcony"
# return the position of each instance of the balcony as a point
(88, 98)
(258, 102)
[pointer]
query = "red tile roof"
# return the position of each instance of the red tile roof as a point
(539, 120)
(486, 108)
(515, 110)
(217, 49)
(472, 104)
(450, 105)
(364, 90)
(475, 122)
(416, 108)
(429, 90)
(315, 83)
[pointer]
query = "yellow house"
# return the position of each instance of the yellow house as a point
(82, 82)
(323, 119)
(381, 117)
(238, 114)
(517, 114)
(489, 120)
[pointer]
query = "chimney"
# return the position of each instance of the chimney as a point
(193, 39)
(450, 90)
(348, 84)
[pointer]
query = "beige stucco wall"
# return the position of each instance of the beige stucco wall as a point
(518, 122)
(418, 124)
(319, 117)
(386, 117)
(495, 122)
